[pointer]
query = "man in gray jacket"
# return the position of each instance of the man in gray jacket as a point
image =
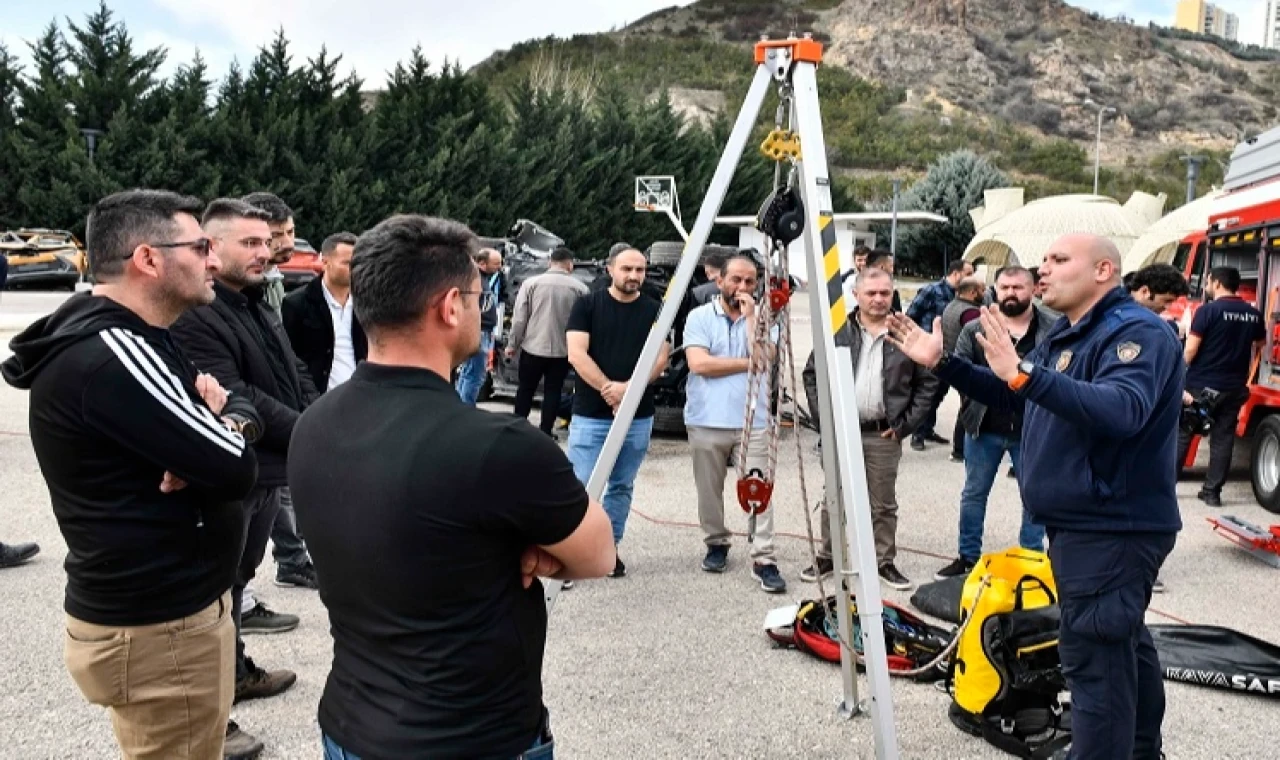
(894, 395)
(538, 326)
(964, 309)
(990, 433)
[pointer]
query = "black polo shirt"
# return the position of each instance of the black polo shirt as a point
(416, 508)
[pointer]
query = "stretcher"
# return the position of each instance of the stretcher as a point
(1263, 544)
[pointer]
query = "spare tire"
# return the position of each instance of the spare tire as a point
(665, 254)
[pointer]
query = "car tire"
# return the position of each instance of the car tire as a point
(1264, 464)
(664, 254)
(669, 419)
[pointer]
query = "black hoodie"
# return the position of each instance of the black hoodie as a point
(113, 407)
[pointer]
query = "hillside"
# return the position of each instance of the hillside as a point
(909, 79)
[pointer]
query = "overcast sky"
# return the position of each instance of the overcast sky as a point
(373, 35)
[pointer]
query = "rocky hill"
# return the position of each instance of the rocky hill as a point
(1011, 77)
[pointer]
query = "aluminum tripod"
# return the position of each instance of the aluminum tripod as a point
(792, 64)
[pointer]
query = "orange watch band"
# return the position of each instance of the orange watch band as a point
(1020, 381)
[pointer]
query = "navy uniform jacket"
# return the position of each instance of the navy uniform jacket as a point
(1099, 439)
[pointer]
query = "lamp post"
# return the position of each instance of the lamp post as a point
(893, 223)
(91, 137)
(1193, 173)
(1097, 146)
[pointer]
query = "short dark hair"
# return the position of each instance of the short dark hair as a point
(971, 285)
(404, 262)
(278, 211)
(956, 266)
(717, 258)
(122, 221)
(332, 242)
(878, 255)
(619, 249)
(861, 250)
(741, 256)
(1227, 277)
(561, 254)
(1161, 279)
(221, 209)
(1014, 269)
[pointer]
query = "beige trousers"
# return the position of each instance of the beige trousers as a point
(882, 456)
(715, 451)
(168, 686)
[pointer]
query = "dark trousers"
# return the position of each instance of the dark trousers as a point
(1117, 693)
(534, 369)
(926, 428)
(260, 509)
(287, 546)
(1222, 438)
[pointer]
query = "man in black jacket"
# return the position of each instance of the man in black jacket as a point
(238, 340)
(146, 462)
(320, 318)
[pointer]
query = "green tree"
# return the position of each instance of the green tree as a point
(953, 187)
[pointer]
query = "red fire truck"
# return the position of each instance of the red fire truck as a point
(1244, 232)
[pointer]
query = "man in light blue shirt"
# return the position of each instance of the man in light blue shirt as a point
(718, 345)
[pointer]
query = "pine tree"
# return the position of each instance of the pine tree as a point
(953, 186)
(10, 80)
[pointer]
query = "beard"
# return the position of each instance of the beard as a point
(1012, 307)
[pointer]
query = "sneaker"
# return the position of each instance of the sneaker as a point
(304, 577)
(566, 585)
(890, 575)
(1157, 587)
(260, 684)
(958, 567)
(619, 569)
(239, 745)
(717, 559)
(957, 459)
(935, 438)
(823, 568)
(260, 619)
(1209, 497)
(769, 577)
(917, 444)
(12, 555)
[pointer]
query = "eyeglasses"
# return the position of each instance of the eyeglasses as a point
(200, 245)
(487, 298)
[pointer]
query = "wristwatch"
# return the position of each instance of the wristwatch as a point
(943, 362)
(244, 426)
(1025, 368)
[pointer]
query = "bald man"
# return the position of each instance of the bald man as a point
(1101, 397)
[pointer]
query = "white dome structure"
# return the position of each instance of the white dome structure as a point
(1159, 242)
(1023, 235)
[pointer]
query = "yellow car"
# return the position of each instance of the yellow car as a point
(42, 258)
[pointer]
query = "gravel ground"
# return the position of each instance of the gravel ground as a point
(670, 662)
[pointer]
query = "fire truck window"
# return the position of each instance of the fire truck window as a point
(1194, 278)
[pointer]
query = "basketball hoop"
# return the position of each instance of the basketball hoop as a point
(656, 194)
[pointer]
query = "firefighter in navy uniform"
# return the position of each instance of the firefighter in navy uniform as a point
(1102, 396)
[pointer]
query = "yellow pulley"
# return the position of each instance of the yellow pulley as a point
(781, 144)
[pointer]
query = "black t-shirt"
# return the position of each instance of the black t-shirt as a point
(618, 332)
(416, 508)
(1227, 328)
(1005, 422)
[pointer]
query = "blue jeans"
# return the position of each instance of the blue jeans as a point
(539, 751)
(472, 372)
(586, 439)
(982, 457)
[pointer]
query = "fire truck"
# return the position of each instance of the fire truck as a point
(1244, 232)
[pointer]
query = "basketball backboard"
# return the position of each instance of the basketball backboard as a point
(656, 194)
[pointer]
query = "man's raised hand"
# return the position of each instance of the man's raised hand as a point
(1002, 355)
(921, 347)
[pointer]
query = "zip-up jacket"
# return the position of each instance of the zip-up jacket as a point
(1100, 431)
(113, 408)
(242, 343)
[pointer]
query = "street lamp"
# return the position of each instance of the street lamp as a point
(1193, 173)
(1097, 146)
(91, 136)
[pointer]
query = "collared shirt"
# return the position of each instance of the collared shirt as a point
(930, 302)
(344, 350)
(720, 402)
(542, 311)
(868, 379)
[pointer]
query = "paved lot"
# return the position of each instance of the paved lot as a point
(670, 662)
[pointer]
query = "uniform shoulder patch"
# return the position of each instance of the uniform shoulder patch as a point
(1128, 351)
(1064, 360)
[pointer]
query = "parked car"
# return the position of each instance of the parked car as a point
(303, 266)
(43, 258)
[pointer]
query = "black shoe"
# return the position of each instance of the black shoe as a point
(566, 586)
(717, 559)
(1158, 587)
(619, 569)
(260, 684)
(261, 619)
(1209, 497)
(302, 578)
(957, 459)
(239, 745)
(890, 575)
(1012, 473)
(770, 578)
(12, 555)
(958, 567)
(824, 568)
(935, 438)
(917, 444)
